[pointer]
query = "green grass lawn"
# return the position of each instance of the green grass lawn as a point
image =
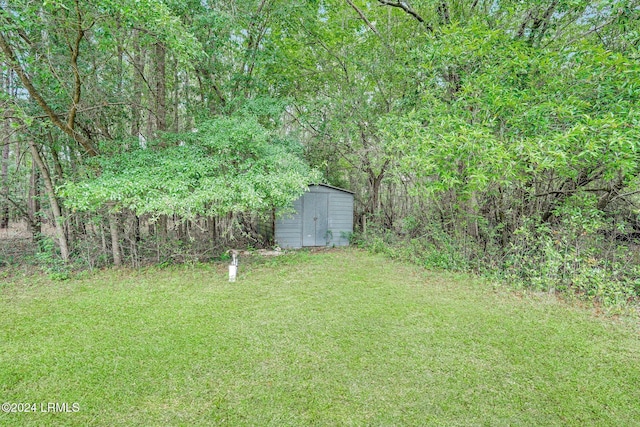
(336, 338)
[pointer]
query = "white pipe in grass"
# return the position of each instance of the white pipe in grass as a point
(233, 267)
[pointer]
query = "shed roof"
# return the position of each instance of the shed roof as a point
(334, 188)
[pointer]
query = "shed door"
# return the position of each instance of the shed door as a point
(315, 219)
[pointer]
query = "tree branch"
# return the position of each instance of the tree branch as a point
(19, 208)
(536, 30)
(408, 9)
(596, 190)
(33, 92)
(75, 52)
(443, 11)
(594, 29)
(631, 193)
(369, 24)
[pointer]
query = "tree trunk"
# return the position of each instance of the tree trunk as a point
(6, 140)
(103, 240)
(176, 97)
(115, 238)
(131, 234)
(374, 183)
(53, 201)
(161, 88)
(136, 117)
(4, 177)
(138, 65)
(33, 208)
(472, 216)
(212, 228)
(161, 228)
(56, 159)
(161, 116)
(59, 174)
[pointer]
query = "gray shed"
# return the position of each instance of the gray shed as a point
(323, 217)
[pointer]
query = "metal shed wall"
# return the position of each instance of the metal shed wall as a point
(323, 217)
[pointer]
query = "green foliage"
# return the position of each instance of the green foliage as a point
(159, 21)
(466, 122)
(498, 112)
(49, 259)
(568, 259)
(576, 258)
(227, 165)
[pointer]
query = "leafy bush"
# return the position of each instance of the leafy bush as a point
(49, 259)
(229, 165)
(572, 257)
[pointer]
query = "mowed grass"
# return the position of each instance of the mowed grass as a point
(336, 338)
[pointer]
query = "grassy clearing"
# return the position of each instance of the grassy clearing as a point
(339, 338)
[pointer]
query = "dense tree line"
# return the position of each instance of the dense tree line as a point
(499, 136)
